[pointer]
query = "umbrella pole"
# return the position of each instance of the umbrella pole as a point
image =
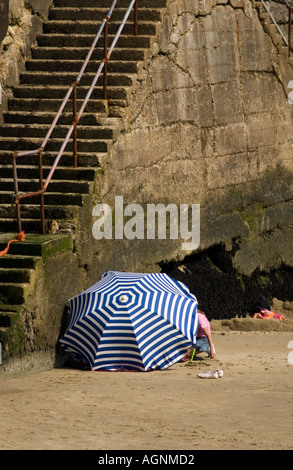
(192, 356)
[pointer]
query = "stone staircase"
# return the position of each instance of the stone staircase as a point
(54, 66)
(55, 63)
(20, 292)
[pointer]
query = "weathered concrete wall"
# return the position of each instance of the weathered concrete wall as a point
(25, 23)
(209, 123)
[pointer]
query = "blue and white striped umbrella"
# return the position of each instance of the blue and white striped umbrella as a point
(132, 321)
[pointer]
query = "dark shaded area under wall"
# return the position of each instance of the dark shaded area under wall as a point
(221, 291)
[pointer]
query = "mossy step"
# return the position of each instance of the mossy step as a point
(32, 211)
(37, 245)
(20, 262)
(12, 293)
(7, 318)
(32, 225)
(16, 275)
(50, 198)
(4, 308)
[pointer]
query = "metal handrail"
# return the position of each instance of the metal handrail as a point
(16, 197)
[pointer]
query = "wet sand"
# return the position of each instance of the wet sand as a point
(251, 407)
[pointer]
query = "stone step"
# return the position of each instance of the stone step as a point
(32, 211)
(79, 174)
(62, 65)
(51, 198)
(42, 105)
(92, 26)
(67, 78)
(83, 145)
(7, 318)
(84, 160)
(16, 275)
(85, 41)
(16, 261)
(16, 282)
(107, 3)
(31, 185)
(40, 130)
(37, 245)
(58, 215)
(13, 293)
(99, 13)
(25, 117)
(37, 90)
(79, 53)
(33, 225)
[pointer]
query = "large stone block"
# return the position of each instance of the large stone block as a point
(227, 103)
(166, 76)
(260, 93)
(230, 139)
(261, 130)
(227, 170)
(222, 63)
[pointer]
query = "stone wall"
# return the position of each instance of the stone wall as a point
(209, 123)
(25, 23)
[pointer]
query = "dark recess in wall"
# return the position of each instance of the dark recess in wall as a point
(222, 292)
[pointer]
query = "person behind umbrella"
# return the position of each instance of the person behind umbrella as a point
(204, 341)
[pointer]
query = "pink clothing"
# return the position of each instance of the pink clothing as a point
(203, 323)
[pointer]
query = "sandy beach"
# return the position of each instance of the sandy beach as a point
(251, 407)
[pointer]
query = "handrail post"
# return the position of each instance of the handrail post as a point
(135, 17)
(105, 83)
(16, 197)
(290, 31)
(74, 122)
(41, 187)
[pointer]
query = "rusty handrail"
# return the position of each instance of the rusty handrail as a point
(16, 197)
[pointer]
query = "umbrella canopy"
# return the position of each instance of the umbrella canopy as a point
(132, 321)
